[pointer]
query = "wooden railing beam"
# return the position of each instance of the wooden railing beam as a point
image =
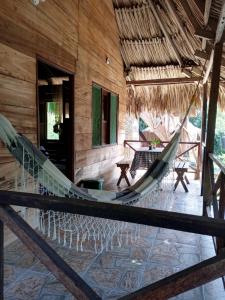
(217, 162)
(132, 214)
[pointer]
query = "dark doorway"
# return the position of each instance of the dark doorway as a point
(55, 102)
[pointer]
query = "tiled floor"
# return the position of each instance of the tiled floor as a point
(155, 255)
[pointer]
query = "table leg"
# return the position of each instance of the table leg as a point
(186, 179)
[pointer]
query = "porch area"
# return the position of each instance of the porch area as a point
(156, 254)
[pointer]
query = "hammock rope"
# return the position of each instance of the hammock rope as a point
(39, 175)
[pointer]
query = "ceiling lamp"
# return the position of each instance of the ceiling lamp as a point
(36, 2)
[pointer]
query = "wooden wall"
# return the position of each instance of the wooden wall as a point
(98, 39)
(75, 35)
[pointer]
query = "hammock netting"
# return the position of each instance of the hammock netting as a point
(37, 174)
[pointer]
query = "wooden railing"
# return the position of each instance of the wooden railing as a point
(217, 195)
(171, 286)
(192, 145)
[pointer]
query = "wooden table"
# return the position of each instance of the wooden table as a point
(143, 158)
(181, 168)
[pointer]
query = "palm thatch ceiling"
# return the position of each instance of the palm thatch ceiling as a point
(164, 39)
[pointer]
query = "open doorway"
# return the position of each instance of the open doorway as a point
(55, 121)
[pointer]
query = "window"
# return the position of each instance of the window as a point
(53, 119)
(104, 116)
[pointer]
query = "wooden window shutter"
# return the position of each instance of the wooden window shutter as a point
(113, 118)
(96, 115)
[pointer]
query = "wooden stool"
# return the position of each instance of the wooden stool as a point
(181, 168)
(124, 166)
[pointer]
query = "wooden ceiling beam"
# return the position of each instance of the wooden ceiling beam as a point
(206, 55)
(166, 34)
(164, 81)
(188, 66)
(187, 73)
(218, 39)
(202, 54)
(193, 72)
(189, 14)
(205, 34)
(171, 7)
(208, 4)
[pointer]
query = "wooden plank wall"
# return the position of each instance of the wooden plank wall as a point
(98, 39)
(77, 36)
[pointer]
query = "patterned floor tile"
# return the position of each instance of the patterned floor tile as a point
(107, 278)
(131, 280)
(27, 287)
(145, 256)
(155, 272)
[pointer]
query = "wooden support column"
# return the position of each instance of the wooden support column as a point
(220, 241)
(211, 124)
(1, 261)
(203, 130)
(198, 166)
(204, 112)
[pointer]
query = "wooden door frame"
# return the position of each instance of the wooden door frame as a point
(72, 114)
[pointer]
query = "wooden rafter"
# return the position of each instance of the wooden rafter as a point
(188, 12)
(179, 80)
(63, 272)
(166, 34)
(205, 34)
(180, 282)
(218, 38)
(208, 4)
(172, 9)
(206, 55)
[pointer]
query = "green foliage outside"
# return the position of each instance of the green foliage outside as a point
(142, 124)
(197, 120)
(219, 144)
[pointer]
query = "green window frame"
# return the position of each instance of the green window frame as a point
(104, 116)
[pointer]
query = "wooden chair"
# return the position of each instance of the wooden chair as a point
(124, 167)
(180, 169)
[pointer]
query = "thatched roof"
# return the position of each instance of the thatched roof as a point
(160, 98)
(158, 40)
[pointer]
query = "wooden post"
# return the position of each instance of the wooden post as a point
(211, 124)
(203, 130)
(220, 241)
(204, 112)
(1, 261)
(198, 166)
